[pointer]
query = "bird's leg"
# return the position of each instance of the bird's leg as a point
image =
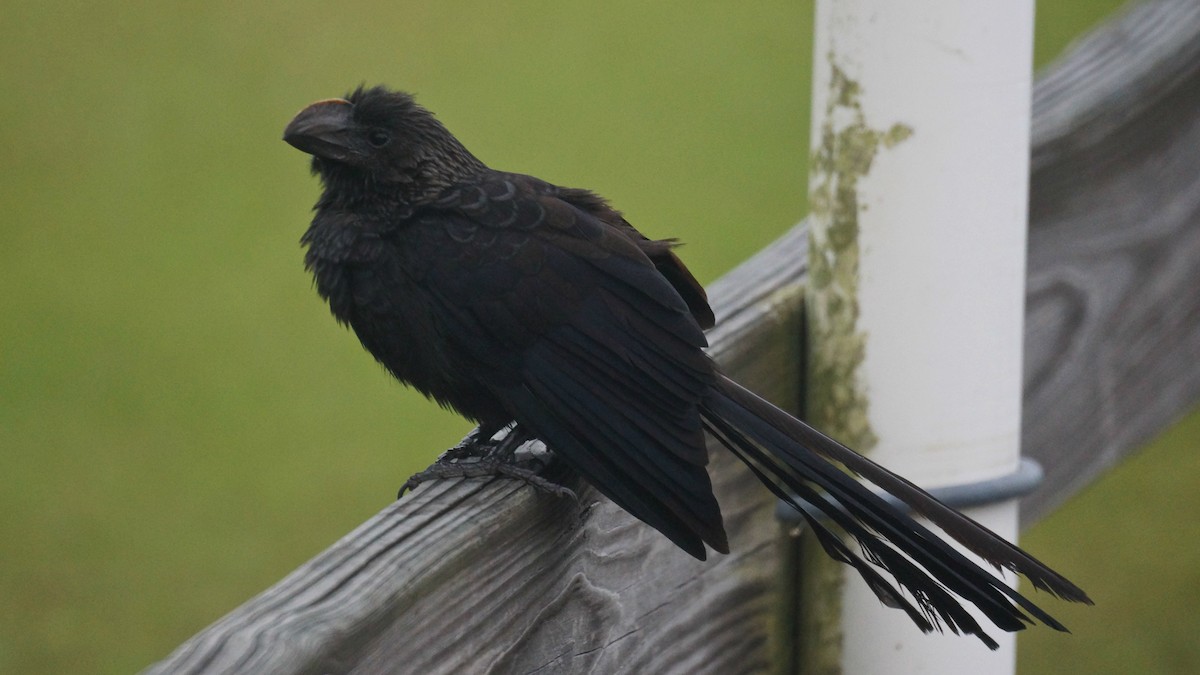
(475, 444)
(478, 456)
(503, 461)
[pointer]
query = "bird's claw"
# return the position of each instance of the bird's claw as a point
(534, 479)
(475, 458)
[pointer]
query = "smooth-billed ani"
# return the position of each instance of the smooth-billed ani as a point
(507, 298)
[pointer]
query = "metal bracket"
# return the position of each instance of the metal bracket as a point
(1019, 483)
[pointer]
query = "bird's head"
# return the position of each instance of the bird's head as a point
(380, 138)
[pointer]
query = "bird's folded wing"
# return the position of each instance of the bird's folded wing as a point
(573, 326)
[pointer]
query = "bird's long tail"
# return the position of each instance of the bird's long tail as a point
(796, 461)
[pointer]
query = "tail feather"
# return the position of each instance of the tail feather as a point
(794, 460)
(935, 605)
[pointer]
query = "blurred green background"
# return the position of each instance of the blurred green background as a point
(181, 422)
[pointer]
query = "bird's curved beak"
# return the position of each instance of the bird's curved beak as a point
(322, 129)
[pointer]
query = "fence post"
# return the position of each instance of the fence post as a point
(919, 188)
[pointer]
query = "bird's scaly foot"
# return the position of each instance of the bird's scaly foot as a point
(476, 458)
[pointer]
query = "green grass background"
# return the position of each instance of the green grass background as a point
(181, 423)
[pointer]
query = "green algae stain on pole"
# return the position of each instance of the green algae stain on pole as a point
(836, 401)
(843, 154)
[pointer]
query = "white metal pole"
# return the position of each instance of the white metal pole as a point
(919, 193)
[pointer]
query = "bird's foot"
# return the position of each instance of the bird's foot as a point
(527, 471)
(471, 446)
(478, 458)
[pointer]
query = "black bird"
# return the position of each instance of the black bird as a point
(507, 298)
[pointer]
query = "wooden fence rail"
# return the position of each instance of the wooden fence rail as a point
(489, 576)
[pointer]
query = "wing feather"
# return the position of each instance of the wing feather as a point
(588, 344)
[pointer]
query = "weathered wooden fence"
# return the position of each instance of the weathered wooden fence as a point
(487, 575)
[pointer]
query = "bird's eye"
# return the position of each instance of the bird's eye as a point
(379, 138)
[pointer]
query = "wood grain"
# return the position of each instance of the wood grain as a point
(1112, 336)
(485, 575)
